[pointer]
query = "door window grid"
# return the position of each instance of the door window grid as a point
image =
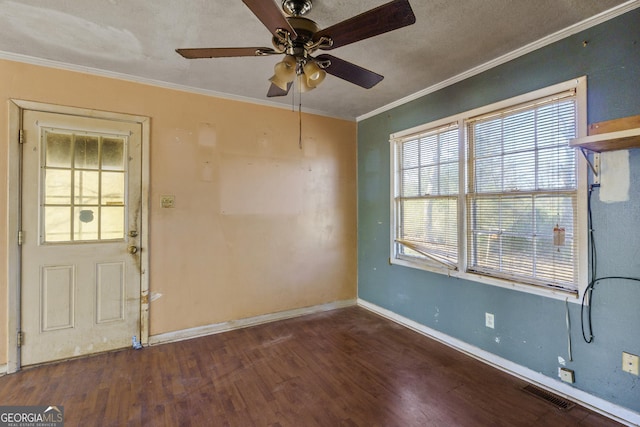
(84, 176)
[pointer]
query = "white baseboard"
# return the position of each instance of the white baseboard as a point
(604, 407)
(217, 328)
(3, 370)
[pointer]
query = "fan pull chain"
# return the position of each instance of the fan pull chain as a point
(300, 122)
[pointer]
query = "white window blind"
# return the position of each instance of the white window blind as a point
(427, 196)
(522, 193)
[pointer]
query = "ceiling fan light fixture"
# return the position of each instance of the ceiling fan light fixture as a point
(315, 75)
(303, 84)
(285, 72)
(282, 84)
(312, 70)
(316, 82)
(290, 61)
(296, 7)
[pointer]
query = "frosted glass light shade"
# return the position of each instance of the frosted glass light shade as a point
(286, 69)
(290, 60)
(285, 72)
(315, 74)
(303, 86)
(312, 70)
(282, 84)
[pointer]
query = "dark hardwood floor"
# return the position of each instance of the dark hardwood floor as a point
(345, 367)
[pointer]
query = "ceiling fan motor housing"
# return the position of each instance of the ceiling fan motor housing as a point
(299, 47)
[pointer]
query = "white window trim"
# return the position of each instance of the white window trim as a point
(580, 86)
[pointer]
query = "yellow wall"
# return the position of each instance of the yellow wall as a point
(259, 225)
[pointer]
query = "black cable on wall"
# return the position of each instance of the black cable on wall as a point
(594, 279)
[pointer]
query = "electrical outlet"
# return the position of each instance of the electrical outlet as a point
(489, 320)
(630, 363)
(567, 375)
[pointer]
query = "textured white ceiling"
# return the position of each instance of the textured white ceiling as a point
(139, 38)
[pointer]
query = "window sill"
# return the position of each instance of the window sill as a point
(492, 281)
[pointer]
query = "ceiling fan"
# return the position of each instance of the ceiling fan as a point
(298, 38)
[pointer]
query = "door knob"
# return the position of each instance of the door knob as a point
(133, 249)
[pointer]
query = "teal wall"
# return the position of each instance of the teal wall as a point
(530, 330)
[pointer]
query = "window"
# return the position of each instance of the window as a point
(427, 203)
(494, 194)
(84, 178)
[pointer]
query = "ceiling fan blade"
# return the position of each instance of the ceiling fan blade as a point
(382, 19)
(268, 12)
(350, 72)
(276, 91)
(224, 52)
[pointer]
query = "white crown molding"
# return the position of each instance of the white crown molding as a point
(16, 57)
(597, 404)
(231, 325)
(545, 41)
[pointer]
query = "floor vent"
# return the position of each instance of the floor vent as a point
(557, 401)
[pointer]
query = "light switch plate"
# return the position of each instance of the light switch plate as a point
(167, 201)
(630, 363)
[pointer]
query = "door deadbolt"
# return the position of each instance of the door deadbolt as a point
(133, 249)
(133, 233)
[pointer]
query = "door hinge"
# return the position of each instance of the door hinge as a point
(21, 136)
(20, 238)
(20, 339)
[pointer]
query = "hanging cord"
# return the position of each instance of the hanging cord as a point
(587, 297)
(300, 122)
(566, 307)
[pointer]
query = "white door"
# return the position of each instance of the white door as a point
(80, 278)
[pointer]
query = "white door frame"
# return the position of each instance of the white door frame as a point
(16, 108)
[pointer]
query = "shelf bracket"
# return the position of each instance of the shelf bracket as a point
(595, 166)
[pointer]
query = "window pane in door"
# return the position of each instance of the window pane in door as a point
(57, 150)
(86, 152)
(85, 224)
(112, 188)
(57, 184)
(112, 223)
(86, 187)
(57, 224)
(113, 154)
